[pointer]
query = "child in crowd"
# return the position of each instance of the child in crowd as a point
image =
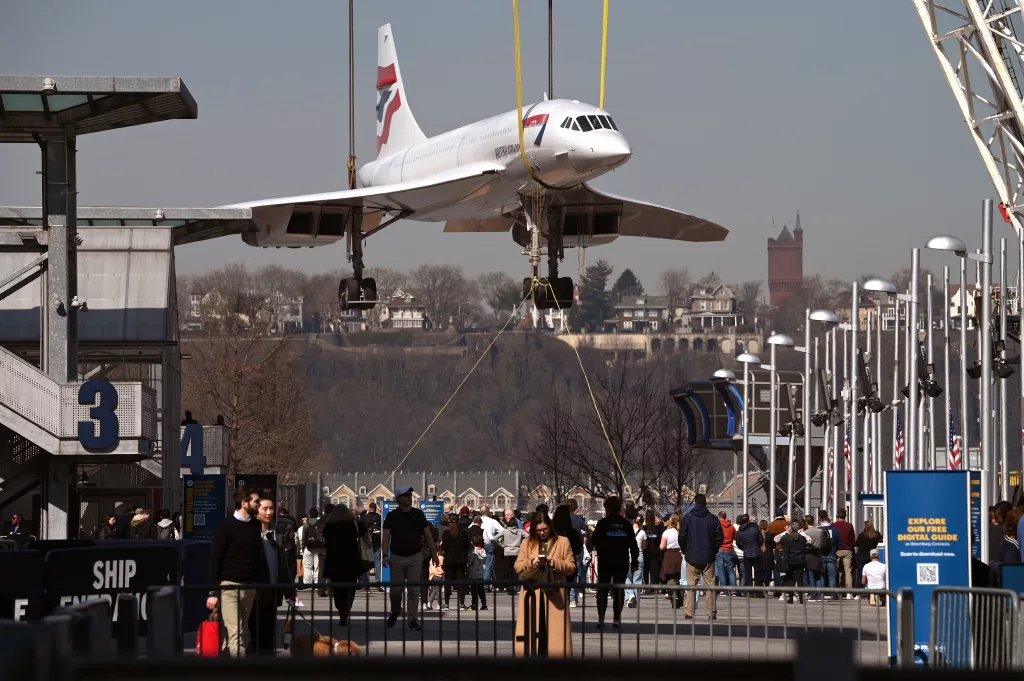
(476, 559)
(434, 590)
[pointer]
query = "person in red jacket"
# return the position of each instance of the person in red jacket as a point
(725, 561)
(844, 556)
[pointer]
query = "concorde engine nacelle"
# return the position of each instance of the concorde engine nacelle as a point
(293, 226)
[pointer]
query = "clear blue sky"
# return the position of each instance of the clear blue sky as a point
(741, 112)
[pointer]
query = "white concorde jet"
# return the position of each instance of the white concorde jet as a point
(474, 180)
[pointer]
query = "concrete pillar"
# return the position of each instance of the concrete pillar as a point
(56, 486)
(59, 351)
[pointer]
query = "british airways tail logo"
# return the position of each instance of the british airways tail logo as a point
(388, 101)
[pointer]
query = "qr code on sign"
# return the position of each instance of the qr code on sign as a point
(928, 573)
(199, 519)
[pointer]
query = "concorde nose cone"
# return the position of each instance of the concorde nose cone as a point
(614, 152)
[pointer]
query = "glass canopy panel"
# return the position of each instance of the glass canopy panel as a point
(61, 102)
(20, 102)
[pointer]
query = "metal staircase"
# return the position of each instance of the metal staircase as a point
(39, 416)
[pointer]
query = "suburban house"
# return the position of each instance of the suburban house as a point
(405, 310)
(712, 306)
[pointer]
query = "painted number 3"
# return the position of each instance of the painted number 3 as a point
(105, 436)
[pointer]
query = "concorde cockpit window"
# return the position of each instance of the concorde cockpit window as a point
(594, 122)
(566, 123)
(585, 125)
(605, 121)
(575, 126)
(612, 122)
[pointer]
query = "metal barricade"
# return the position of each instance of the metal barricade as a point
(748, 623)
(8, 545)
(975, 629)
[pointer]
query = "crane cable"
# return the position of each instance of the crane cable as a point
(466, 378)
(593, 398)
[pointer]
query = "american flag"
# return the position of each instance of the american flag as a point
(846, 453)
(954, 445)
(901, 445)
(831, 462)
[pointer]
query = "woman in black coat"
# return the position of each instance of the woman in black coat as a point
(344, 566)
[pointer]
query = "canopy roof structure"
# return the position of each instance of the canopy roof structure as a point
(188, 225)
(35, 106)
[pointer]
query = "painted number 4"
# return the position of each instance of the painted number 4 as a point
(105, 436)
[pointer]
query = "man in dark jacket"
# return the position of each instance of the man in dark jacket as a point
(617, 555)
(263, 618)
(749, 540)
(371, 519)
(237, 558)
(700, 536)
(287, 539)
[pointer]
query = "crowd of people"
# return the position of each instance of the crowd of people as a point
(474, 553)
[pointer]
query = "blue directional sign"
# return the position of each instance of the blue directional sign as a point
(927, 540)
(206, 505)
(106, 435)
(434, 510)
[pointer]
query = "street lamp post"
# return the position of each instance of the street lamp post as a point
(984, 259)
(727, 376)
(828, 318)
(854, 419)
(775, 340)
(747, 359)
(1004, 450)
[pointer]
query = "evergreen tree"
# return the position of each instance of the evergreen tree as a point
(627, 286)
(595, 304)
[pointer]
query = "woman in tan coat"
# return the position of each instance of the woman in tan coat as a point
(544, 558)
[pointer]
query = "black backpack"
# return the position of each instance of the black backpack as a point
(826, 542)
(165, 532)
(314, 536)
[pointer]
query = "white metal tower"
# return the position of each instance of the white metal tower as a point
(980, 53)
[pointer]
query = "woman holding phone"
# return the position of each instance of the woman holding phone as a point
(544, 558)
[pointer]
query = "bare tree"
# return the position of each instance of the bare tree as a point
(546, 455)
(675, 285)
(629, 398)
(448, 295)
(243, 372)
(501, 293)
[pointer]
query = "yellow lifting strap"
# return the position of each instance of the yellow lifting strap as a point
(604, 52)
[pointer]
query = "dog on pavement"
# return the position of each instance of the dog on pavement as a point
(317, 645)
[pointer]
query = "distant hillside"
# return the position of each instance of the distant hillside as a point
(370, 403)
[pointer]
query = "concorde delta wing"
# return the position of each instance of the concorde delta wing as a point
(590, 217)
(321, 219)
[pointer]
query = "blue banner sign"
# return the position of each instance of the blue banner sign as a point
(205, 505)
(927, 542)
(434, 510)
(385, 508)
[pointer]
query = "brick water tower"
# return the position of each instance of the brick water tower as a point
(786, 263)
